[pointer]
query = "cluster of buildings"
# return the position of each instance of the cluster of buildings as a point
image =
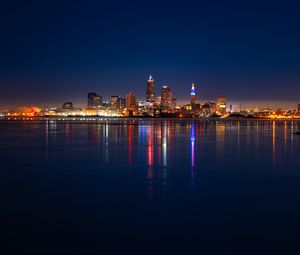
(163, 104)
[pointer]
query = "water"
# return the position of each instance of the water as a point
(150, 187)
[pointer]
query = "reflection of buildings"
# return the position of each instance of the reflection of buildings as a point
(164, 144)
(105, 141)
(164, 149)
(274, 142)
(150, 91)
(192, 138)
(150, 145)
(150, 155)
(129, 138)
(220, 141)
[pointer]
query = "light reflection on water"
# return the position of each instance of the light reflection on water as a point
(162, 142)
(203, 180)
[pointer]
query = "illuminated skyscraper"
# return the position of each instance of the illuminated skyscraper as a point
(150, 91)
(194, 105)
(131, 102)
(166, 95)
(94, 100)
(193, 95)
(167, 102)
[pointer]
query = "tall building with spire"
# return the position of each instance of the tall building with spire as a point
(195, 106)
(193, 95)
(150, 90)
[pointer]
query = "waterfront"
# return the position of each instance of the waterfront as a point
(151, 186)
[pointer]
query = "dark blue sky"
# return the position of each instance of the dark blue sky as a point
(55, 51)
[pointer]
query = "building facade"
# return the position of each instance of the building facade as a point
(221, 105)
(166, 95)
(150, 90)
(194, 106)
(131, 102)
(166, 98)
(114, 102)
(67, 106)
(94, 101)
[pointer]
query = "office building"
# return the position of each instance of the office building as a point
(195, 107)
(193, 94)
(131, 102)
(114, 102)
(150, 90)
(158, 100)
(221, 105)
(94, 101)
(67, 106)
(166, 95)
(121, 103)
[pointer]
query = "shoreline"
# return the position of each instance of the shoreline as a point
(112, 119)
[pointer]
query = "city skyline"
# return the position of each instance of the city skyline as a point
(80, 100)
(158, 102)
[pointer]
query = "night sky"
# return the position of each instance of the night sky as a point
(56, 51)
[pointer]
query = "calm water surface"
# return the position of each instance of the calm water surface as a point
(151, 187)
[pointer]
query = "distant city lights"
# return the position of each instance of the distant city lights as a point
(163, 105)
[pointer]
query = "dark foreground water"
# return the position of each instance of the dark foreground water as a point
(150, 187)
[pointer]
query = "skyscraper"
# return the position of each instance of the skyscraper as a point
(131, 103)
(150, 90)
(166, 95)
(298, 108)
(117, 103)
(94, 100)
(193, 95)
(113, 102)
(121, 103)
(194, 105)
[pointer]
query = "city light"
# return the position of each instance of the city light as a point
(163, 105)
